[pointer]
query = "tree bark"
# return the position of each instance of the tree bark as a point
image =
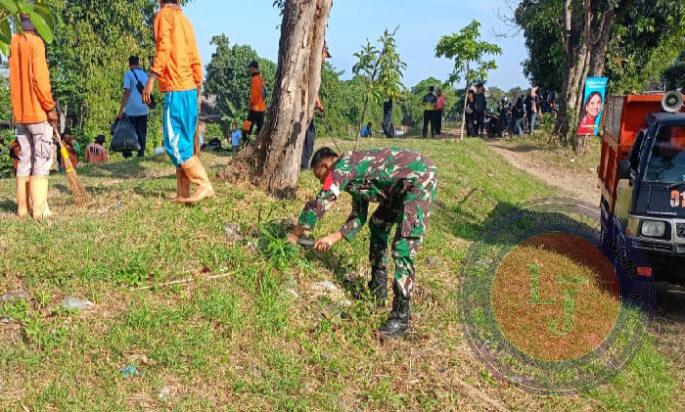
(466, 102)
(584, 55)
(575, 48)
(599, 51)
(273, 162)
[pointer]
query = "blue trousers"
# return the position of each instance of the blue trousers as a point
(180, 124)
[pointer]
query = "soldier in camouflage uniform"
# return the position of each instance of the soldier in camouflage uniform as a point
(404, 184)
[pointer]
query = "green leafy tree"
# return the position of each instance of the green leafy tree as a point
(41, 15)
(89, 57)
(228, 80)
(494, 95)
(631, 42)
(340, 99)
(648, 38)
(469, 55)
(6, 133)
(674, 77)
(382, 70)
(390, 67)
(544, 65)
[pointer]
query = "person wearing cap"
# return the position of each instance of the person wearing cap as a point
(310, 135)
(96, 153)
(178, 67)
(35, 115)
(257, 106)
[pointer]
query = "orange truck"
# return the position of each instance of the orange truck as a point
(642, 178)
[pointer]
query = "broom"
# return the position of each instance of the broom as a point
(75, 185)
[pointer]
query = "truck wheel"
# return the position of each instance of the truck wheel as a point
(634, 289)
(607, 243)
(625, 270)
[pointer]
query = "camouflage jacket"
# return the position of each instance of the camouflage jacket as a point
(377, 175)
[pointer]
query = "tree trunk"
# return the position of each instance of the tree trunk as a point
(273, 162)
(599, 51)
(584, 55)
(577, 44)
(466, 102)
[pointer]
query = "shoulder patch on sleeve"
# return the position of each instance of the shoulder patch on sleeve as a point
(329, 181)
(329, 185)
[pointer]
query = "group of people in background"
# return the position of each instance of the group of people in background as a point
(434, 103)
(178, 69)
(523, 114)
(516, 117)
(476, 109)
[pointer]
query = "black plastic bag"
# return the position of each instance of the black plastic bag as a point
(124, 136)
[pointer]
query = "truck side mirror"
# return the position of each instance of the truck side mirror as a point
(623, 169)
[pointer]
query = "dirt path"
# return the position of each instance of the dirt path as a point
(582, 185)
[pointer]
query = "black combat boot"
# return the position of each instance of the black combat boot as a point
(398, 322)
(379, 285)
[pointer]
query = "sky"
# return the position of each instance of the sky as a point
(421, 24)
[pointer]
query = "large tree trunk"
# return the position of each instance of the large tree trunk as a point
(601, 44)
(466, 102)
(585, 54)
(273, 162)
(577, 60)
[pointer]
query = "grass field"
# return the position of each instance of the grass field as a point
(264, 337)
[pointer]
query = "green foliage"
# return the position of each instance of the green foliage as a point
(341, 100)
(90, 56)
(390, 66)
(542, 31)
(381, 70)
(274, 245)
(367, 58)
(228, 80)
(41, 14)
(468, 52)
(6, 135)
(646, 40)
(674, 76)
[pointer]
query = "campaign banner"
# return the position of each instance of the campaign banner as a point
(593, 106)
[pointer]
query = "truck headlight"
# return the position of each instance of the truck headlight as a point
(652, 228)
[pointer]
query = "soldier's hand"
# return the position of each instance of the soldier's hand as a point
(325, 243)
(292, 238)
(295, 235)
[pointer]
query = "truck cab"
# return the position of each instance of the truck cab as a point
(642, 176)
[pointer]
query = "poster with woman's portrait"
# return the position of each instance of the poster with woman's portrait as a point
(593, 105)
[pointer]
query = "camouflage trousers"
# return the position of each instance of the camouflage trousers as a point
(410, 211)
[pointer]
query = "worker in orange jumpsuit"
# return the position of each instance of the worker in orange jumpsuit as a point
(257, 105)
(178, 68)
(35, 115)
